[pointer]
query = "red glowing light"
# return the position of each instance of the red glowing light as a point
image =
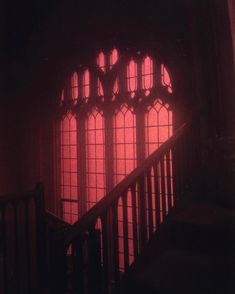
(62, 96)
(95, 172)
(113, 57)
(147, 73)
(124, 143)
(115, 87)
(86, 84)
(158, 126)
(74, 85)
(100, 88)
(132, 76)
(68, 165)
(101, 61)
(165, 78)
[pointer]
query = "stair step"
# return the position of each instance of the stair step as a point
(180, 271)
(193, 253)
(205, 214)
(204, 228)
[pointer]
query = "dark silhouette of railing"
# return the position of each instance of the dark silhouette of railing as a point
(103, 243)
(22, 242)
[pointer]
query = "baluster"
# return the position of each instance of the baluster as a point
(125, 231)
(176, 171)
(164, 209)
(193, 141)
(157, 194)
(106, 252)
(150, 204)
(94, 261)
(58, 266)
(168, 172)
(33, 246)
(181, 165)
(191, 146)
(184, 159)
(186, 153)
(16, 220)
(41, 235)
(135, 220)
(115, 241)
(26, 213)
(3, 285)
(78, 263)
(142, 210)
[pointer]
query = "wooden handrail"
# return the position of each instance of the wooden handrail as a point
(22, 241)
(52, 218)
(104, 242)
(91, 216)
(4, 199)
(56, 224)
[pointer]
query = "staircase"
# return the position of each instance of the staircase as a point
(193, 252)
(97, 251)
(148, 235)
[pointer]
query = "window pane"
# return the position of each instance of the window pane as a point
(70, 211)
(100, 88)
(62, 96)
(147, 73)
(68, 166)
(158, 126)
(124, 132)
(74, 85)
(101, 61)
(95, 173)
(132, 76)
(86, 84)
(165, 78)
(113, 57)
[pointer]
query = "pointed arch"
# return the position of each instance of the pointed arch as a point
(115, 103)
(95, 156)
(68, 168)
(124, 145)
(158, 125)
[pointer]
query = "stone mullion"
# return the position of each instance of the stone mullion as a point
(81, 164)
(109, 141)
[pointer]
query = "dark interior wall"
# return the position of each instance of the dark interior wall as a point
(8, 150)
(46, 38)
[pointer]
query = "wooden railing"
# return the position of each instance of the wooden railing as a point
(105, 241)
(54, 225)
(22, 242)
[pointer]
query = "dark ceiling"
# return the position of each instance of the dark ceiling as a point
(42, 36)
(25, 20)
(21, 20)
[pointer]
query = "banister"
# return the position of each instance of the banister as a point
(105, 241)
(22, 241)
(55, 225)
(4, 199)
(91, 216)
(51, 218)
(37, 192)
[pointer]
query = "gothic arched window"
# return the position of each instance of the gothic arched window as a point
(95, 165)
(112, 115)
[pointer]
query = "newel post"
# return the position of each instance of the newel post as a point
(58, 268)
(41, 235)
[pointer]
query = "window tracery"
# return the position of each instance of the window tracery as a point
(125, 120)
